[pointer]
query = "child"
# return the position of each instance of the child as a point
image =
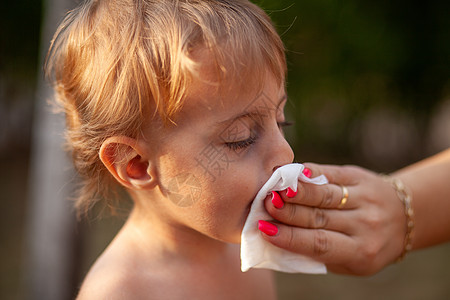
(181, 103)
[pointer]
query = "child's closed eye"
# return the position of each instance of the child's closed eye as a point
(239, 145)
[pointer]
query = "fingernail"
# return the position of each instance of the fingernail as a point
(290, 193)
(307, 172)
(276, 200)
(267, 227)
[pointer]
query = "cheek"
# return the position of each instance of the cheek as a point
(222, 208)
(232, 195)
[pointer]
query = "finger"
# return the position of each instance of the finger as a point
(311, 217)
(322, 245)
(328, 196)
(339, 175)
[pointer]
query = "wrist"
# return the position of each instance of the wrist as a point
(405, 197)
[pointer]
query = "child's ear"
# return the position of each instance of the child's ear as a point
(126, 159)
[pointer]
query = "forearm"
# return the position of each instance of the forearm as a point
(429, 183)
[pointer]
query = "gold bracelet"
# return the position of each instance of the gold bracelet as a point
(406, 199)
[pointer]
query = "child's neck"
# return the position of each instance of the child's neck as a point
(159, 237)
(151, 257)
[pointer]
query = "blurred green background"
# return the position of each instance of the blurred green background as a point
(368, 84)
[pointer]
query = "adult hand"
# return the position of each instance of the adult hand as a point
(360, 237)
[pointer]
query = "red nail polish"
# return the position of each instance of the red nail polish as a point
(276, 200)
(290, 193)
(307, 172)
(267, 227)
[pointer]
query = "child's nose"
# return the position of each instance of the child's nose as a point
(281, 152)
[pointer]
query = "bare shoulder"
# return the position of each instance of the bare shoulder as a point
(126, 279)
(118, 273)
(113, 281)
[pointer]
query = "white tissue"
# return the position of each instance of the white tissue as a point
(258, 253)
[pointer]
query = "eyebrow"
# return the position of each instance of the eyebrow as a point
(249, 114)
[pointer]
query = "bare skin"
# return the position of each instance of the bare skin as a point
(133, 267)
(368, 233)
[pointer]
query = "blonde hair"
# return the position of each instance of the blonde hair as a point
(114, 63)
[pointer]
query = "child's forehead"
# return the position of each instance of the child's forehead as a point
(222, 100)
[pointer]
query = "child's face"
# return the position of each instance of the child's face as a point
(225, 146)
